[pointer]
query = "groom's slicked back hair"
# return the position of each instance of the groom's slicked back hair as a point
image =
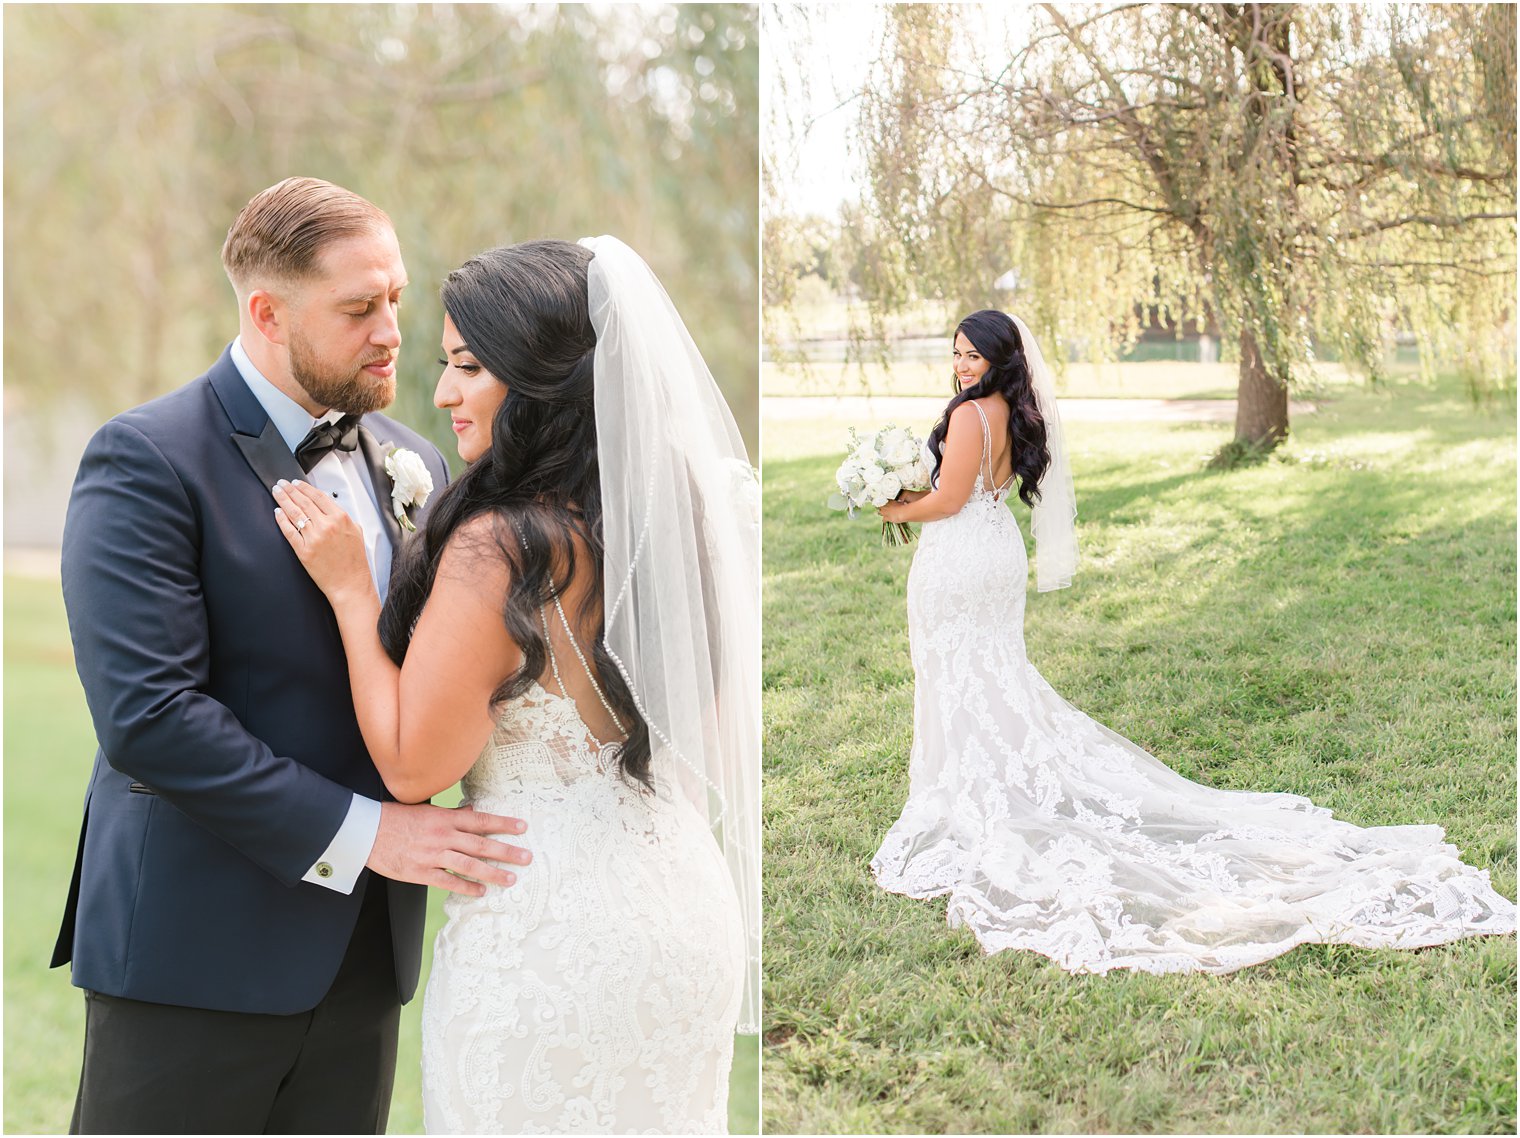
(280, 234)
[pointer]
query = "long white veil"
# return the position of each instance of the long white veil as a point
(1054, 518)
(680, 509)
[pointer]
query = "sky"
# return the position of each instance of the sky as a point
(814, 72)
(817, 59)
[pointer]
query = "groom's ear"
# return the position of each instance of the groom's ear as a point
(268, 313)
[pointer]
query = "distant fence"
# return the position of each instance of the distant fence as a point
(914, 349)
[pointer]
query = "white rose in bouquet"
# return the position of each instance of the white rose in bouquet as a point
(899, 448)
(888, 486)
(876, 469)
(921, 474)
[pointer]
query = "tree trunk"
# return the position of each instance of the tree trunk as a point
(1261, 407)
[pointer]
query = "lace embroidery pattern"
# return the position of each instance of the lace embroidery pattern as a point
(600, 993)
(1051, 833)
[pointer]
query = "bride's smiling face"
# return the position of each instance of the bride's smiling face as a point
(970, 366)
(468, 392)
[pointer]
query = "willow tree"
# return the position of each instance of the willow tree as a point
(1303, 175)
(134, 133)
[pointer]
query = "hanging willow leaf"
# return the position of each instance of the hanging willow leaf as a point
(1305, 179)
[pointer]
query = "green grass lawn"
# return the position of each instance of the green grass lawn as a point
(49, 747)
(1340, 624)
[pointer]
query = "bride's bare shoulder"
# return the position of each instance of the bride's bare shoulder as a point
(995, 407)
(473, 553)
(964, 422)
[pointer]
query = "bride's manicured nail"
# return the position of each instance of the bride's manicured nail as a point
(511, 879)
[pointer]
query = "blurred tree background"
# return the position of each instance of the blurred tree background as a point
(134, 133)
(1303, 181)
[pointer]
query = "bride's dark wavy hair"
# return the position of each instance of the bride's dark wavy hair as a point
(523, 311)
(996, 338)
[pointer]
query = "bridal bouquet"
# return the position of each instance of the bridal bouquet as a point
(877, 468)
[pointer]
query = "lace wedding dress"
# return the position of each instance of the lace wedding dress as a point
(1050, 832)
(598, 994)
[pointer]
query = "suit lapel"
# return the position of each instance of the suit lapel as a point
(256, 436)
(374, 458)
(253, 430)
(268, 455)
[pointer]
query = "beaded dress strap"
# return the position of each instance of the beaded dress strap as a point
(986, 444)
(543, 614)
(999, 491)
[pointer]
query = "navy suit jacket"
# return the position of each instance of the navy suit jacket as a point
(218, 687)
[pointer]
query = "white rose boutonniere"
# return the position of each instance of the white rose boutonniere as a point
(410, 483)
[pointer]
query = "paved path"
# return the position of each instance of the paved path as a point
(914, 407)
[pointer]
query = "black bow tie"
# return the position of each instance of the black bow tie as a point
(341, 435)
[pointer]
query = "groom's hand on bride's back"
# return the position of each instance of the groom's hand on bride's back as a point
(431, 845)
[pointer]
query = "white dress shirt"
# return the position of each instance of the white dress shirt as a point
(343, 475)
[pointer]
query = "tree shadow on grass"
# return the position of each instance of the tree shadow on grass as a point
(1308, 617)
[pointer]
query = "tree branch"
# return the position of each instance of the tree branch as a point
(1424, 219)
(1136, 128)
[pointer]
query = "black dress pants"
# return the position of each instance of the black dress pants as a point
(161, 1069)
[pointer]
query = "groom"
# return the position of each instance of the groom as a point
(247, 905)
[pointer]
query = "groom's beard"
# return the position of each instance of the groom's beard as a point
(343, 388)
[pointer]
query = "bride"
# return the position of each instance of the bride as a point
(574, 636)
(1051, 833)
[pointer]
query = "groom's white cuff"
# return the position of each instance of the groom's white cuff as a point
(338, 867)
